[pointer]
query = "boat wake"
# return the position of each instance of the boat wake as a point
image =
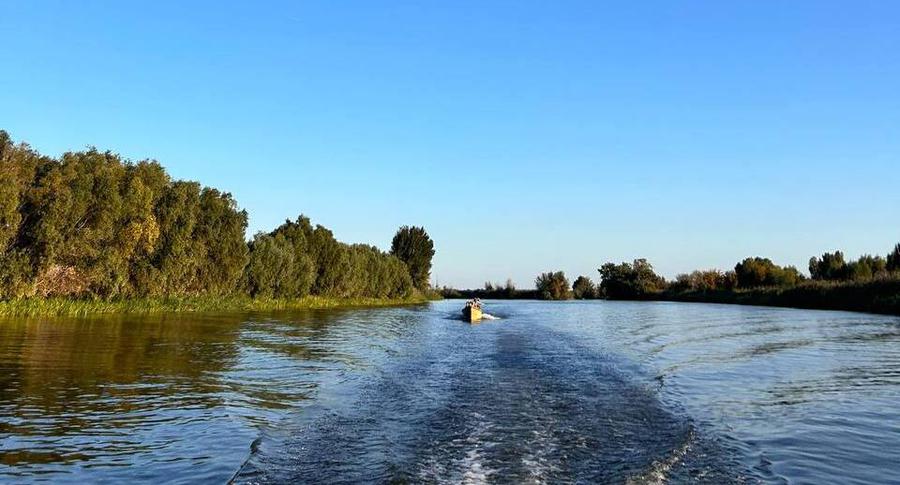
(488, 316)
(499, 405)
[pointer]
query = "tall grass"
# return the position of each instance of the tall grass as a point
(33, 307)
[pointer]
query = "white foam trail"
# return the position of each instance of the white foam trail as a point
(488, 316)
(469, 469)
(658, 472)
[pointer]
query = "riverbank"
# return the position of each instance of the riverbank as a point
(873, 296)
(40, 307)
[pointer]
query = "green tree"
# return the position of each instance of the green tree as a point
(297, 234)
(583, 288)
(866, 267)
(78, 202)
(19, 165)
(757, 272)
(96, 225)
(553, 286)
(332, 263)
(220, 232)
(415, 248)
(271, 270)
(893, 259)
(327, 267)
(509, 289)
(705, 280)
(629, 280)
(175, 263)
(830, 266)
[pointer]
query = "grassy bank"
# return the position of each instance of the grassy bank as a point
(33, 307)
(873, 296)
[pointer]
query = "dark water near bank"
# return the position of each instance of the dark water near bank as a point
(551, 393)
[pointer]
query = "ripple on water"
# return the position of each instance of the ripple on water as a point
(504, 405)
(551, 393)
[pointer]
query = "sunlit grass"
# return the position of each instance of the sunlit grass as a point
(32, 307)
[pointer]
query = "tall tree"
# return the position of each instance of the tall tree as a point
(629, 280)
(830, 266)
(19, 165)
(756, 272)
(221, 232)
(271, 271)
(553, 286)
(583, 288)
(893, 259)
(413, 246)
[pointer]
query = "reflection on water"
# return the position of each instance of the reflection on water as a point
(552, 392)
(166, 396)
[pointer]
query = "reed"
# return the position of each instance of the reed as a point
(36, 307)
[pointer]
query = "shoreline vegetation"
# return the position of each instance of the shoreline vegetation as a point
(876, 296)
(64, 307)
(869, 284)
(92, 232)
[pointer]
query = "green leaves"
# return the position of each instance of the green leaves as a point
(757, 272)
(583, 288)
(92, 224)
(296, 260)
(552, 286)
(630, 280)
(893, 259)
(413, 246)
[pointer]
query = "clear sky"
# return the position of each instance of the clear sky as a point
(525, 136)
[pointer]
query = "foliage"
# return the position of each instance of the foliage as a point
(629, 280)
(497, 291)
(831, 266)
(92, 225)
(415, 248)
(705, 280)
(866, 267)
(756, 272)
(866, 284)
(272, 270)
(552, 286)
(510, 288)
(893, 259)
(874, 295)
(583, 288)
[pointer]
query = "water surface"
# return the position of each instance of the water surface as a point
(584, 392)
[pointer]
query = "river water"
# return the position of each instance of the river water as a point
(567, 392)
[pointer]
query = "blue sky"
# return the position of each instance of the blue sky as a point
(525, 136)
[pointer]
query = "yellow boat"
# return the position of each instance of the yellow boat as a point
(472, 312)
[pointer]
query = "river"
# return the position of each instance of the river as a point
(552, 392)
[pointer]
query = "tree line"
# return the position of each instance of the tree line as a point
(638, 280)
(91, 224)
